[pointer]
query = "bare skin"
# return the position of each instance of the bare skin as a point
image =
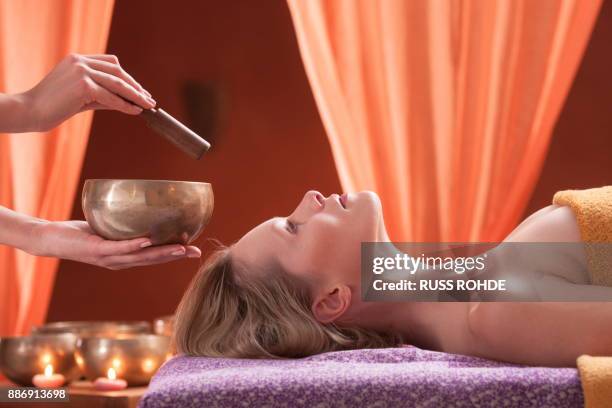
(323, 249)
(78, 83)
(552, 333)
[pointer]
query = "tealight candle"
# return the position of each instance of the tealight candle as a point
(110, 382)
(48, 379)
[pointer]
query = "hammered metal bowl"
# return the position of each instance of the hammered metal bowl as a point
(23, 357)
(163, 325)
(93, 328)
(168, 212)
(134, 359)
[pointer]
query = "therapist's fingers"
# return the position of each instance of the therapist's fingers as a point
(116, 70)
(193, 251)
(104, 57)
(107, 248)
(121, 88)
(108, 100)
(114, 60)
(149, 256)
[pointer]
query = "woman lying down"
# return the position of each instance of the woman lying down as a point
(291, 286)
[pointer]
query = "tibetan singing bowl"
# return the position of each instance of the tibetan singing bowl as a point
(134, 359)
(167, 212)
(92, 328)
(163, 325)
(23, 357)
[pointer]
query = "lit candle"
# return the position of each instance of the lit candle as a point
(48, 379)
(148, 365)
(110, 382)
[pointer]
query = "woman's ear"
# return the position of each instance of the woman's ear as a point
(331, 305)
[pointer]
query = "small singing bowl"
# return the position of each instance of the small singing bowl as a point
(163, 325)
(134, 359)
(21, 358)
(92, 328)
(167, 212)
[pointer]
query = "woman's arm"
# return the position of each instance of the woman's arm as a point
(76, 84)
(547, 333)
(76, 241)
(544, 333)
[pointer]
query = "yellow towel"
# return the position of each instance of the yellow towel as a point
(596, 378)
(593, 210)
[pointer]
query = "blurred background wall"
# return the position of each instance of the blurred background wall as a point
(238, 64)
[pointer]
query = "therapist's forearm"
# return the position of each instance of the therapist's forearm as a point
(15, 114)
(16, 230)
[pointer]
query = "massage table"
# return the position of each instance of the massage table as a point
(392, 377)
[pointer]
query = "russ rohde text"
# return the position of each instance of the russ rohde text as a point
(441, 284)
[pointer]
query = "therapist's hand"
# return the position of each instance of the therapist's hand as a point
(76, 241)
(82, 82)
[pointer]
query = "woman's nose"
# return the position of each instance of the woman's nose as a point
(310, 204)
(313, 194)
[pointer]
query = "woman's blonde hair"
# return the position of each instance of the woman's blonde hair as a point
(227, 313)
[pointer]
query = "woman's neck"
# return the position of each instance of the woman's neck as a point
(430, 325)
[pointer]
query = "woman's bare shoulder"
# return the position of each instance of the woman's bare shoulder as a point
(550, 224)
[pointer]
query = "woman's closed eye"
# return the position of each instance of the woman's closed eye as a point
(291, 226)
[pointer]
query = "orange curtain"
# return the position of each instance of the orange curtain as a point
(39, 172)
(443, 107)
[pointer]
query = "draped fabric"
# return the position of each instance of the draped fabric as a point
(445, 108)
(39, 172)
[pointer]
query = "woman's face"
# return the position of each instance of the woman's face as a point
(319, 241)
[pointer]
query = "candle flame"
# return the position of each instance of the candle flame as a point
(148, 365)
(48, 370)
(116, 363)
(112, 374)
(46, 358)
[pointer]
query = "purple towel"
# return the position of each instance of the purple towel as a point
(394, 377)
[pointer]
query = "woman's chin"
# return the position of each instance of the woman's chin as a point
(371, 199)
(367, 212)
